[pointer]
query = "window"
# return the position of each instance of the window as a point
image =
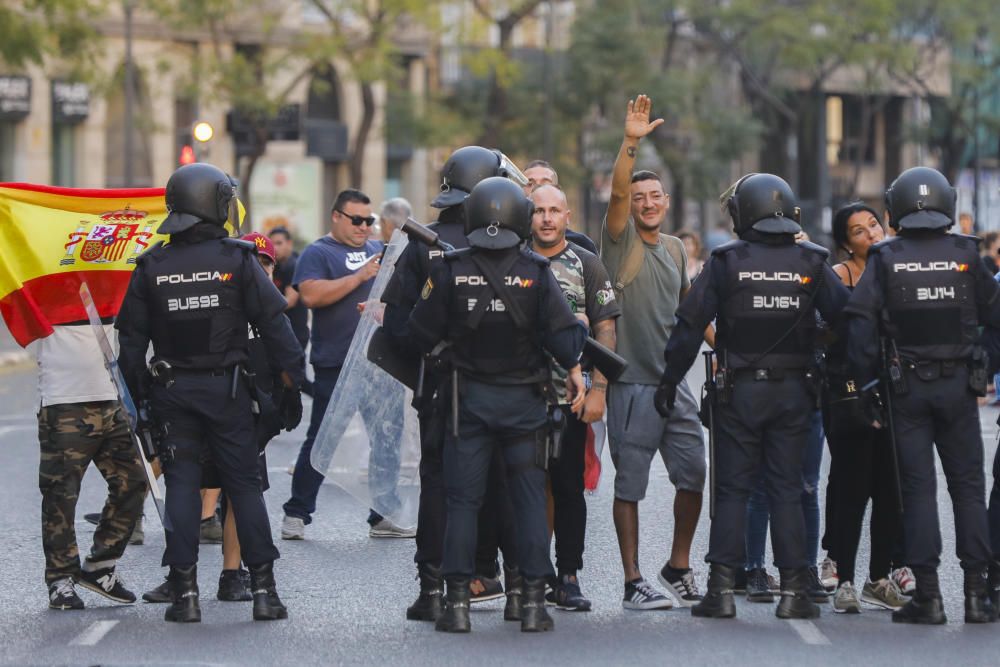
(63, 154)
(6, 151)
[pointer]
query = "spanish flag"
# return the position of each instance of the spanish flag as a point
(53, 239)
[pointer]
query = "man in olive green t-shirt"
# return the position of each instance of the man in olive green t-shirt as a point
(636, 432)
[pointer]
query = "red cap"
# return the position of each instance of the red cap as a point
(264, 245)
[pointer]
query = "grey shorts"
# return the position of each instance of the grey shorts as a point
(636, 432)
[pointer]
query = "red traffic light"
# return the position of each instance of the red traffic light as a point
(187, 155)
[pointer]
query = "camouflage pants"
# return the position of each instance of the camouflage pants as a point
(71, 435)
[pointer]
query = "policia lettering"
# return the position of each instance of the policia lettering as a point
(495, 357)
(193, 299)
(926, 293)
(763, 290)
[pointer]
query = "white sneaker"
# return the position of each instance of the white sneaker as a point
(293, 528)
(845, 600)
(905, 580)
(386, 528)
(828, 574)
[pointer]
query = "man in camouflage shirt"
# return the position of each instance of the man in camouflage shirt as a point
(587, 288)
(80, 422)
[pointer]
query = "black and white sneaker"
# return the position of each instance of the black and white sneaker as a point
(680, 584)
(106, 582)
(62, 595)
(641, 596)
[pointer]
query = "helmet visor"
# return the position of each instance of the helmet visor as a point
(509, 170)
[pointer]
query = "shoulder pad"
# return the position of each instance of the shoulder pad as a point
(881, 245)
(246, 246)
(534, 256)
(818, 249)
(452, 255)
(729, 246)
(154, 250)
(967, 241)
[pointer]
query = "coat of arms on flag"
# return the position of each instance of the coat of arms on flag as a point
(108, 240)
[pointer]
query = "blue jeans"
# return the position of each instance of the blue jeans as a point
(306, 480)
(758, 512)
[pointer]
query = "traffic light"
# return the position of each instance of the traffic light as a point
(187, 155)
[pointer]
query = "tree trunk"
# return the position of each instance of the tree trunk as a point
(496, 101)
(260, 132)
(361, 140)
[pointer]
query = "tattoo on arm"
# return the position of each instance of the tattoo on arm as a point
(631, 151)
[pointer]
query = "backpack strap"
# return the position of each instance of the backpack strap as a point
(633, 260)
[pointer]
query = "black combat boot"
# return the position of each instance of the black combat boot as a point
(428, 605)
(978, 606)
(266, 603)
(534, 617)
(184, 592)
(718, 601)
(513, 584)
(455, 617)
(926, 606)
(233, 586)
(795, 602)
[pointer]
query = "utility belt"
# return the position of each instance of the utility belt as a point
(164, 375)
(928, 370)
(726, 378)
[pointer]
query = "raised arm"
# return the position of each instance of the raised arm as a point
(637, 125)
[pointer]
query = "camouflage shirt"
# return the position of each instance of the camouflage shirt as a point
(585, 284)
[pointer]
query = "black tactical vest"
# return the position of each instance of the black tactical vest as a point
(486, 341)
(767, 316)
(930, 298)
(196, 303)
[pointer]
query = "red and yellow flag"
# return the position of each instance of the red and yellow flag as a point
(53, 239)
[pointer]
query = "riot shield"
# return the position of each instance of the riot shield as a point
(124, 397)
(369, 442)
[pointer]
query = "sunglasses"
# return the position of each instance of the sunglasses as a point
(358, 220)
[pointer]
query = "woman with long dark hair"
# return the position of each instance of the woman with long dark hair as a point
(861, 465)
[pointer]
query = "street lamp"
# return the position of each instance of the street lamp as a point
(203, 131)
(129, 5)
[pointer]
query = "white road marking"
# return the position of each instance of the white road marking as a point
(808, 632)
(93, 634)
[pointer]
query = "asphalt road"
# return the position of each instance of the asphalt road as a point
(347, 594)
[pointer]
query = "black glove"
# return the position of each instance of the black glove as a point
(291, 409)
(664, 398)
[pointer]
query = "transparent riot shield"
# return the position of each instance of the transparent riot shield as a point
(124, 397)
(369, 443)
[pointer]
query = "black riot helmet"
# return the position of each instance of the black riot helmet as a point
(921, 198)
(197, 192)
(763, 202)
(497, 214)
(469, 165)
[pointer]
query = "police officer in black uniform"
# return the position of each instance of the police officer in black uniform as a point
(193, 299)
(926, 292)
(499, 308)
(461, 172)
(764, 289)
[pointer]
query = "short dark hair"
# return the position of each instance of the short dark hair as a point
(347, 196)
(538, 163)
(280, 231)
(646, 175)
(990, 238)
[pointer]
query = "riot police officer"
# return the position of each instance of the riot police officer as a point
(194, 299)
(461, 172)
(926, 292)
(764, 289)
(498, 308)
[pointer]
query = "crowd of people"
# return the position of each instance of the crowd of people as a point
(876, 352)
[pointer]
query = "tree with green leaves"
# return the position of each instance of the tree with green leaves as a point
(275, 55)
(33, 31)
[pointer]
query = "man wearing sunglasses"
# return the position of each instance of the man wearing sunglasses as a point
(332, 276)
